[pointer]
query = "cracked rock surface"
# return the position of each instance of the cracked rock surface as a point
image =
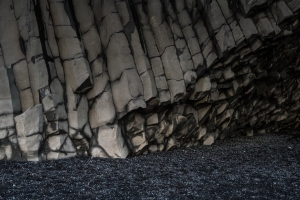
(119, 78)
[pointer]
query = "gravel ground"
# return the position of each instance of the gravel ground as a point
(260, 167)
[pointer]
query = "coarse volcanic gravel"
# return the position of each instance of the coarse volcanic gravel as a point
(260, 167)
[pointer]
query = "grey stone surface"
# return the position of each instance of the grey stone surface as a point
(13, 54)
(121, 67)
(29, 127)
(29, 32)
(108, 142)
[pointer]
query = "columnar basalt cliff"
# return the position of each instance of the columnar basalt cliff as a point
(116, 78)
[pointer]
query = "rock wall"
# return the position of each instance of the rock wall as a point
(115, 78)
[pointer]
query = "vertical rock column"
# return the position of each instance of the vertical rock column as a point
(77, 73)
(153, 54)
(57, 143)
(217, 27)
(107, 140)
(101, 106)
(127, 88)
(166, 47)
(183, 52)
(14, 52)
(233, 24)
(141, 60)
(29, 32)
(205, 42)
(185, 22)
(9, 106)
(50, 42)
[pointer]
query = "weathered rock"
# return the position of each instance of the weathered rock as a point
(29, 126)
(153, 54)
(29, 32)
(59, 146)
(77, 69)
(10, 105)
(13, 54)
(122, 71)
(101, 107)
(141, 60)
(108, 142)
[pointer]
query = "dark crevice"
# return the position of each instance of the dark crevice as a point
(137, 24)
(69, 8)
(39, 17)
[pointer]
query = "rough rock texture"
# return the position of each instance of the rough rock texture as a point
(115, 78)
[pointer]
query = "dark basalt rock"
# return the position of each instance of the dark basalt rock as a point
(114, 78)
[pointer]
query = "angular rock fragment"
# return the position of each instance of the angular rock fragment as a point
(281, 11)
(108, 142)
(29, 126)
(135, 129)
(59, 146)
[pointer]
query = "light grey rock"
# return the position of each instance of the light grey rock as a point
(10, 105)
(153, 54)
(248, 27)
(101, 107)
(186, 25)
(50, 41)
(206, 44)
(29, 126)
(185, 59)
(141, 60)
(209, 140)
(167, 50)
(77, 70)
(122, 71)
(108, 142)
(79, 127)
(29, 32)
(13, 54)
(202, 86)
(218, 27)
(58, 147)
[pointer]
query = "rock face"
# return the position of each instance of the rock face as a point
(112, 78)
